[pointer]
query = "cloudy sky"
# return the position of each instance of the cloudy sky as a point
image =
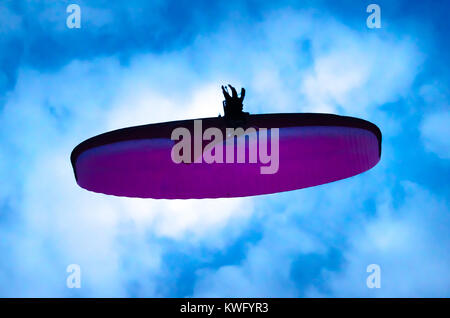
(139, 62)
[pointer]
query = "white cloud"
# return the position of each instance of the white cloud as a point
(408, 242)
(302, 223)
(435, 131)
(360, 74)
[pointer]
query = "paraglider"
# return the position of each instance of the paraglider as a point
(232, 156)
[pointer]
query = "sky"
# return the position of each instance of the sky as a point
(139, 62)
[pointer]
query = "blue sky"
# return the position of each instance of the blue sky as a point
(150, 61)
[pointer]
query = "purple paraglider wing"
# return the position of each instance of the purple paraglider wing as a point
(313, 149)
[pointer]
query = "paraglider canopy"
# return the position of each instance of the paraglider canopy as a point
(232, 156)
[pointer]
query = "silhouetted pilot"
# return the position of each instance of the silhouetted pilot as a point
(232, 105)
